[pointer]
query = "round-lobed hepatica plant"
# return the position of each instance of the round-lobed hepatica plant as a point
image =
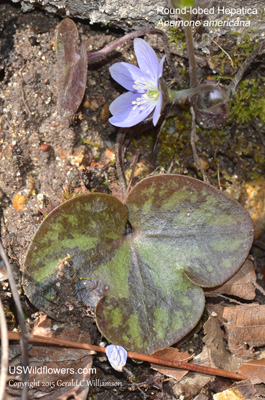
(140, 265)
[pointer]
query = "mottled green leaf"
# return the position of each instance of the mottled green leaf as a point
(71, 68)
(140, 265)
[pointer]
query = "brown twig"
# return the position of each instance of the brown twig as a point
(4, 355)
(119, 155)
(23, 338)
(137, 356)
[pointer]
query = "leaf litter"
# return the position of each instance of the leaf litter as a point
(55, 372)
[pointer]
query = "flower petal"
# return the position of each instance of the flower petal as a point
(124, 113)
(146, 58)
(117, 356)
(125, 74)
(123, 103)
(158, 110)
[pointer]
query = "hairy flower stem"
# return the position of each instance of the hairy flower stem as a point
(175, 96)
(193, 139)
(191, 55)
(192, 61)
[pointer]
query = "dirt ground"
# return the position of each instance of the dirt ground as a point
(42, 160)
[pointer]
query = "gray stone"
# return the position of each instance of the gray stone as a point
(132, 14)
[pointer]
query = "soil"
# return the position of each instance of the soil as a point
(43, 159)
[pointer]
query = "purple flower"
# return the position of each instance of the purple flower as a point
(144, 94)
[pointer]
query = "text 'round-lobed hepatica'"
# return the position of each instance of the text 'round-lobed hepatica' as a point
(140, 265)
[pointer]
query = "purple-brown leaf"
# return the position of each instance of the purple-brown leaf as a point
(72, 68)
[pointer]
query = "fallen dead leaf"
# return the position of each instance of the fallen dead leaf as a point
(202, 397)
(215, 347)
(255, 204)
(229, 394)
(244, 326)
(244, 391)
(191, 385)
(55, 372)
(254, 370)
(148, 382)
(242, 284)
(173, 354)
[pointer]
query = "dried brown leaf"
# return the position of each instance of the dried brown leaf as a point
(242, 284)
(56, 372)
(202, 397)
(171, 354)
(71, 68)
(255, 204)
(191, 385)
(215, 348)
(239, 392)
(254, 370)
(244, 326)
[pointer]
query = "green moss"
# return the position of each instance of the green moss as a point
(235, 33)
(237, 53)
(174, 138)
(89, 143)
(178, 36)
(249, 102)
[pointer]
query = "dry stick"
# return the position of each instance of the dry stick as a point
(4, 348)
(24, 340)
(137, 356)
(196, 158)
(239, 75)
